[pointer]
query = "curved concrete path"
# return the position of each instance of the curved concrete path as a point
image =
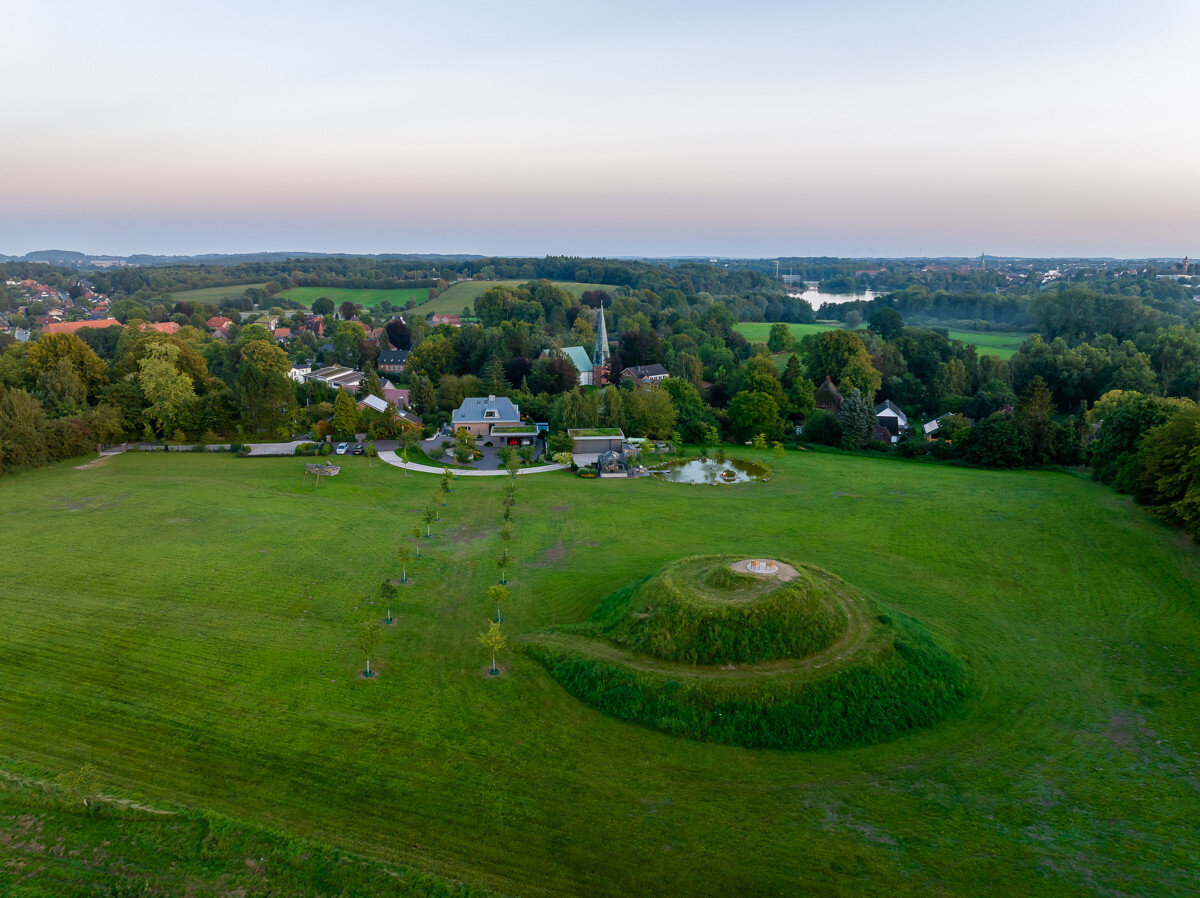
(388, 456)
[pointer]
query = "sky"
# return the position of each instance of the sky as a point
(697, 128)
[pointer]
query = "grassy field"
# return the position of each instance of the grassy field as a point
(367, 298)
(214, 294)
(1002, 344)
(463, 294)
(188, 624)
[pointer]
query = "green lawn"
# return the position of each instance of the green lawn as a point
(368, 298)
(188, 624)
(998, 343)
(214, 294)
(457, 296)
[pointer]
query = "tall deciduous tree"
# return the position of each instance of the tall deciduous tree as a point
(166, 388)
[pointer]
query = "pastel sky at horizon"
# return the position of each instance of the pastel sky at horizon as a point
(871, 128)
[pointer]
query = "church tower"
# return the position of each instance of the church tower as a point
(600, 356)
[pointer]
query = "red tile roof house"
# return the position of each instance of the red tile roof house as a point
(396, 396)
(283, 333)
(70, 327)
(163, 327)
(453, 320)
(217, 322)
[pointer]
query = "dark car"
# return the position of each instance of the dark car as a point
(359, 449)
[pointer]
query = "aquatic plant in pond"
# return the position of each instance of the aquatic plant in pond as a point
(712, 471)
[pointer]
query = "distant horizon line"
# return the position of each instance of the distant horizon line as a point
(702, 257)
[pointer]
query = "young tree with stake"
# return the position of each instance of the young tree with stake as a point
(494, 640)
(503, 560)
(497, 594)
(372, 633)
(404, 554)
(416, 532)
(427, 516)
(387, 592)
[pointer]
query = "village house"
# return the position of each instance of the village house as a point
(827, 397)
(338, 376)
(480, 415)
(374, 403)
(392, 361)
(70, 327)
(890, 422)
(577, 356)
(299, 371)
(452, 320)
(644, 375)
(396, 396)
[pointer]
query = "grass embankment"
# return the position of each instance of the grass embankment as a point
(698, 611)
(900, 681)
(367, 298)
(189, 624)
(887, 676)
(51, 843)
(998, 343)
(462, 295)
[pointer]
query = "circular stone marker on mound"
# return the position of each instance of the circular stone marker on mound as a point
(765, 567)
(755, 652)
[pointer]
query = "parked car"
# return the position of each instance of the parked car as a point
(359, 449)
(341, 449)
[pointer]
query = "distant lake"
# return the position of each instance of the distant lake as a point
(814, 297)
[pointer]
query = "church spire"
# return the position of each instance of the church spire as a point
(600, 356)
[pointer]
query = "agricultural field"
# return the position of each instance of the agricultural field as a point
(462, 294)
(187, 625)
(213, 295)
(367, 298)
(998, 343)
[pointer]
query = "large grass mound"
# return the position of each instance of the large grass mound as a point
(807, 663)
(700, 611)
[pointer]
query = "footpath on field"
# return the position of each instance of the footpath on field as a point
(390, 457)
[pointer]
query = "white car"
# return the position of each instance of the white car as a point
(341, 449)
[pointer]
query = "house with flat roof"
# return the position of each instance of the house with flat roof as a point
(337, 376)
(593, 442)
(480, 415)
